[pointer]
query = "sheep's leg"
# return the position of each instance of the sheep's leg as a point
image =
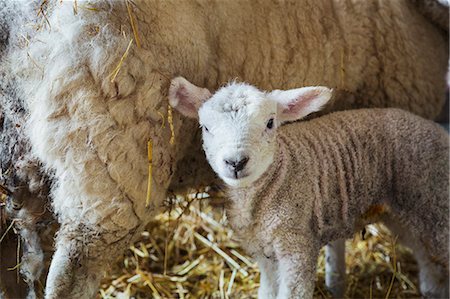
(79, 260)
(297, 266)
(268, 285)
(433, 273)
(32, 259)
(28, 210)
(69, 275)
(335, 268)
(10, 287)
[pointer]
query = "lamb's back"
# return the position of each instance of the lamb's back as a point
(345, 163)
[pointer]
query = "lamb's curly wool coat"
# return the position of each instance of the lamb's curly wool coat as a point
(297, 187)
(337, 173)
(90, 128)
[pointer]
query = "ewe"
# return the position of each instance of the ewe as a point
(297, 187)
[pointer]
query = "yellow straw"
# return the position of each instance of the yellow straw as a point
(133, 25)
(170, 121)
(116, 71)
(149, 184)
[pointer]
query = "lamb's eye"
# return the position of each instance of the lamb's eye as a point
(270, 124)
(206, 129)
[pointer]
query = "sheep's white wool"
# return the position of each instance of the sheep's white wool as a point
(78, 129)
(92, 131)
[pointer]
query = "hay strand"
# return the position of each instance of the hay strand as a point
(170, 121)
(7, 230)
(75, 7)
(133, 24)
(116, 70)
(222, 253)
(4, 190)
(394, 272)
(150, 177)
(342, 69)
(18, 259)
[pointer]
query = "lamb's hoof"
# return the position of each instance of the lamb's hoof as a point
(337, 291)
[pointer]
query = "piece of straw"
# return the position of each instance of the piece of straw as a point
(222, 253)
(221, 284)
(191, 266)
(163, 125)
(394, 270)
(230, 284)
(75, 7)
(342, 69)
(7, 230)
(116, 70)
(149, 183)
(133, 24)
(4, 190)
(41, 11)
(170, 121)
(18, 259)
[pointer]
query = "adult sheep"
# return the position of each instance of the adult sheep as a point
(94, 98)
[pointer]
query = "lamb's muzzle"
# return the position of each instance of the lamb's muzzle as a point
(237, 165)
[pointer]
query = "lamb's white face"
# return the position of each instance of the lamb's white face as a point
(239, 124)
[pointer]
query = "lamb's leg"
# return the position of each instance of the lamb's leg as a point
(268, 285)
(335, 268)
(433, 277)
(433, 269)
(297, 258)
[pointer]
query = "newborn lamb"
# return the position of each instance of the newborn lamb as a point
(296, 187)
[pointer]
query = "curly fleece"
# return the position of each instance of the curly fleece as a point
(335, 174)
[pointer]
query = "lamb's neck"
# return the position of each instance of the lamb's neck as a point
(246, 200)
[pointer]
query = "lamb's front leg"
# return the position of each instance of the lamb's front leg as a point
(268, 285)
(335, 268)
(297, 259)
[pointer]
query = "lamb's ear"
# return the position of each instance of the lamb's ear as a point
(186, 97)
(294, 104)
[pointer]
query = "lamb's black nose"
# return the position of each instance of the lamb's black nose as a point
(237, 164)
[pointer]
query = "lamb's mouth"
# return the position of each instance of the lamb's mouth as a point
(235, 175)
(239, 175)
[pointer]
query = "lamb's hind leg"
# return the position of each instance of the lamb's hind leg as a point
(433, 267)
(335, 268)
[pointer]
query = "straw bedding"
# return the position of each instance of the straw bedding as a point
(189, 252)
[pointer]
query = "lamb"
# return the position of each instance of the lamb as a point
(88, 122)
(294, 188)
